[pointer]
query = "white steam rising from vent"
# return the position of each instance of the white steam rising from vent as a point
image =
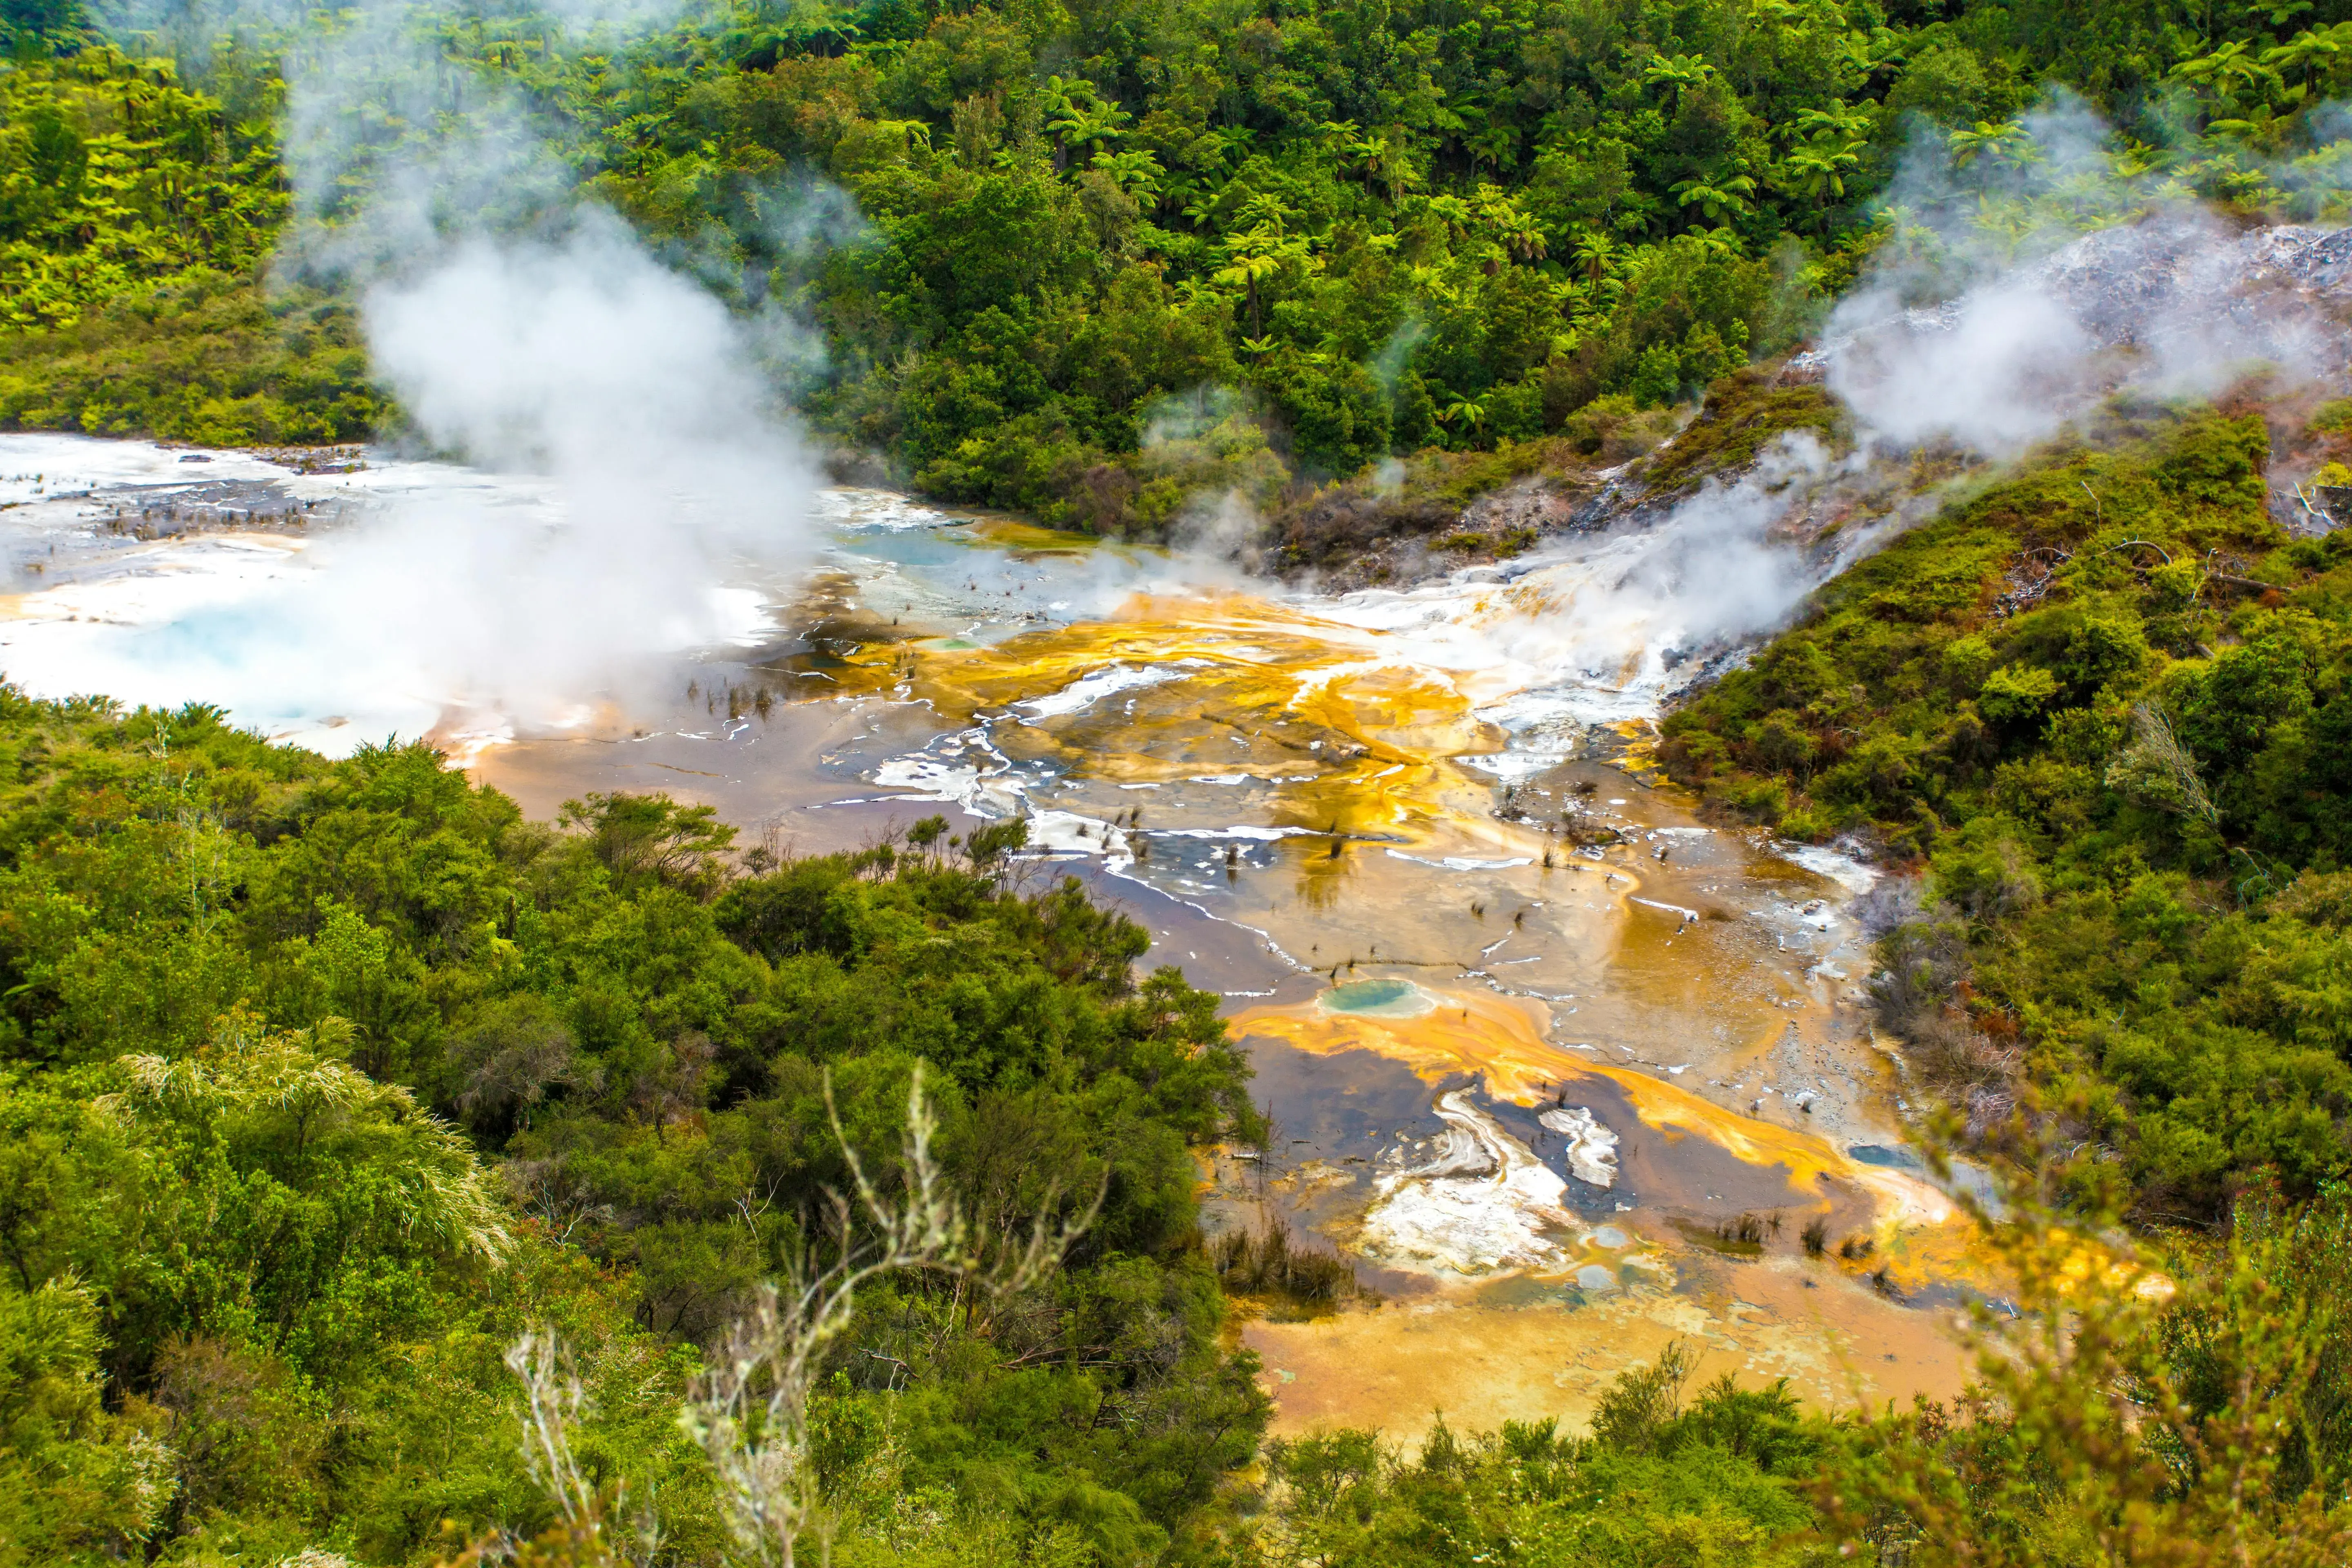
(636, 462)
(633, 392)
(2015, 290)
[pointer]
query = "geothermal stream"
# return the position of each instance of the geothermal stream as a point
(1535, 1040)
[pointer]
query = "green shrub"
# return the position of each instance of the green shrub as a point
(2133, 716)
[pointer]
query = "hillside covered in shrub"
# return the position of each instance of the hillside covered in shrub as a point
(2105, 698)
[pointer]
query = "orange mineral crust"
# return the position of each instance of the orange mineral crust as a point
(1397, 1366)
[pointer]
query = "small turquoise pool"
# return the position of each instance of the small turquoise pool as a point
(1376, 999)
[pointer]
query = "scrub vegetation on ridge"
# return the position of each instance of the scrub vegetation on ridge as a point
(257, 1297)
(2105, 700)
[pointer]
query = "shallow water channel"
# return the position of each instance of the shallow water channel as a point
(1535, 1040)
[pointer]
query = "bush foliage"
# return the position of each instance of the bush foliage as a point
(323, 1080)
(2105, 700)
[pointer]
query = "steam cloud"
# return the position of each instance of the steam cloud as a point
(2051, 275)
(1636, 612)
(1717, 573)
(2011, 295)
(529, 334)
(636, 393)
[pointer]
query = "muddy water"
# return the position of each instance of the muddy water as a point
(1565, 1071)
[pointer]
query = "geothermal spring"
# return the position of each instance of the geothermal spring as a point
(1534, 1038)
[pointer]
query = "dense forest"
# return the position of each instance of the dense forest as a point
(1082, 260)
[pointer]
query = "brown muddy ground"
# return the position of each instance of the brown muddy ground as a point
(1483, 1362)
